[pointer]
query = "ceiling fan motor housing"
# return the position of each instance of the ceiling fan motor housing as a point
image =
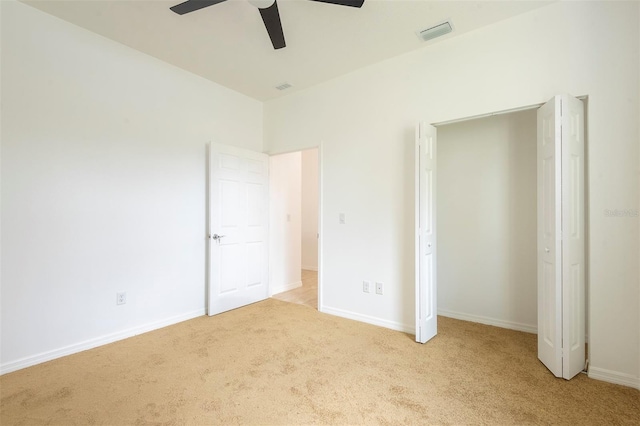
(262, 4)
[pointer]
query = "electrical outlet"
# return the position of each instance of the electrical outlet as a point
(366, 286)
(121, 298)
(378, 288)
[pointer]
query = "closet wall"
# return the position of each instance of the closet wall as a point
(487, 220)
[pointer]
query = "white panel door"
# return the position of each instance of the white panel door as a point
(561, 316)
(573, 241)
(549, 237)
(426, 310)
(238, 266)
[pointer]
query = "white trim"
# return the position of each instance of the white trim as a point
(309, 268)
(320, 228)
(527, 328)
(369, 320)
(98, 341)
(491, 114)
(614, 377)
(287, 287)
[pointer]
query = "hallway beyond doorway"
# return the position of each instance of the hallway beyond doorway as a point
(305, 295)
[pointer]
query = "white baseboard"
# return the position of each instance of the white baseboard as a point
(95, 342)
(286, 287)
(528, 328)
(614, 377)
(368, 319)
(310, 268)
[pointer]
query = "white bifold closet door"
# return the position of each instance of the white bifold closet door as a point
(238, 264)
(425, 216)
(561, 239)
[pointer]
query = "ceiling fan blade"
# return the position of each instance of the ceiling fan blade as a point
(271, 19)
(352, 3)
(193, 5)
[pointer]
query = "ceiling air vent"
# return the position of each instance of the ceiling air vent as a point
(283, 86)
(436, 31)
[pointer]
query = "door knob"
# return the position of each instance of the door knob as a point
(546, 249)
(217, 237)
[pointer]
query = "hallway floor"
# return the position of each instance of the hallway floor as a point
(305, 295)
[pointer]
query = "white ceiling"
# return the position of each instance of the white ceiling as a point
(228, 44)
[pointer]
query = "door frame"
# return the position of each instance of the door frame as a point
(319, 147)
(585, 100)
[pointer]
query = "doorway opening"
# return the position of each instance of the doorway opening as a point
(294, 227)
(486, 210)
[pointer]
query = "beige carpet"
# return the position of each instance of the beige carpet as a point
(280, 363)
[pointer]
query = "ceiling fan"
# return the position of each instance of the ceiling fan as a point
(268, 10)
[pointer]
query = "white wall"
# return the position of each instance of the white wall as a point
(284, 222)
(103, 186)
(487, 220)
(365, 121)
(310, 209)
